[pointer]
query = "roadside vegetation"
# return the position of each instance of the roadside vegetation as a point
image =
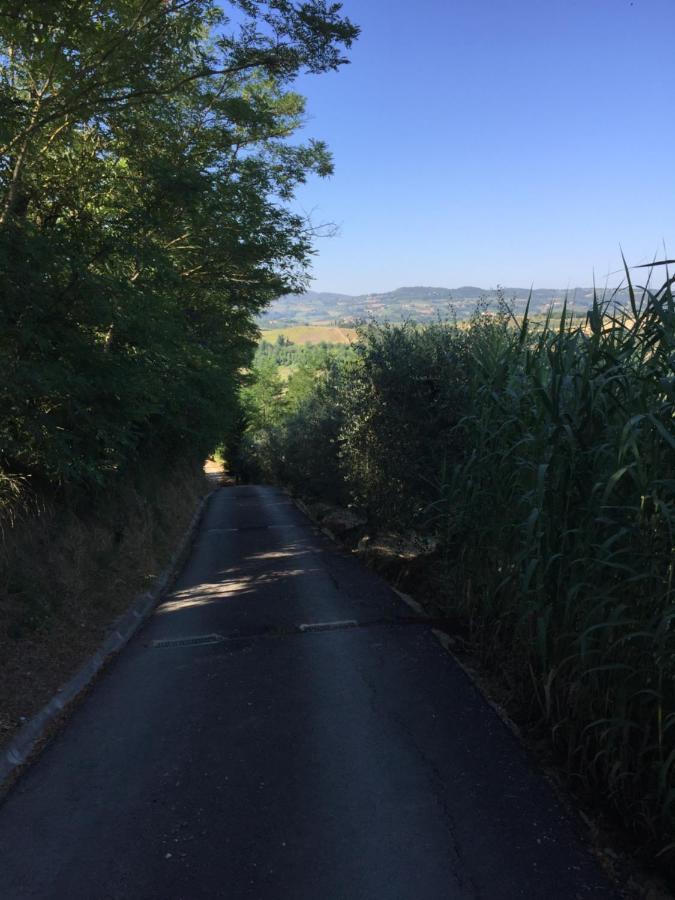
(145, 178)
(285, 383)
(539, 457)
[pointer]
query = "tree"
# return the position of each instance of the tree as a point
(263, 397)
(145, 173)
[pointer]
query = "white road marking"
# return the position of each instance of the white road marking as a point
(327, 626)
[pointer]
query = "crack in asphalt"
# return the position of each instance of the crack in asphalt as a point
(439, 788)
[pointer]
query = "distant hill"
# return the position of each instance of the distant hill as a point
(418, 302)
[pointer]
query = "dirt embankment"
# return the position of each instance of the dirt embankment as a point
(67, 573)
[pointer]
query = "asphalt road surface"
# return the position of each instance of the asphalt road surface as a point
(231, 752)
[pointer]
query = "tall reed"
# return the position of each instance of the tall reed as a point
(558, 526)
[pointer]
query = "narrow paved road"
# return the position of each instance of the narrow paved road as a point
(355, 763)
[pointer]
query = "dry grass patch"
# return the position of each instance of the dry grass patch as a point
(311, 334)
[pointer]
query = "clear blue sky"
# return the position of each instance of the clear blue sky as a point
(495, 141)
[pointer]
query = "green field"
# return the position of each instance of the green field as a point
(311, 334)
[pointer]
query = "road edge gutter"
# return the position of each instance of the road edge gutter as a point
(304, 509)
(19, 751)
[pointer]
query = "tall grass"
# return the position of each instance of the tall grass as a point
(558, 527)
(11, 497)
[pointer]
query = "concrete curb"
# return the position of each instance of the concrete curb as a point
(23, 745)
(304, 509)
(446, 641)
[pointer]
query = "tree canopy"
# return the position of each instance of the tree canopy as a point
(145, 174)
